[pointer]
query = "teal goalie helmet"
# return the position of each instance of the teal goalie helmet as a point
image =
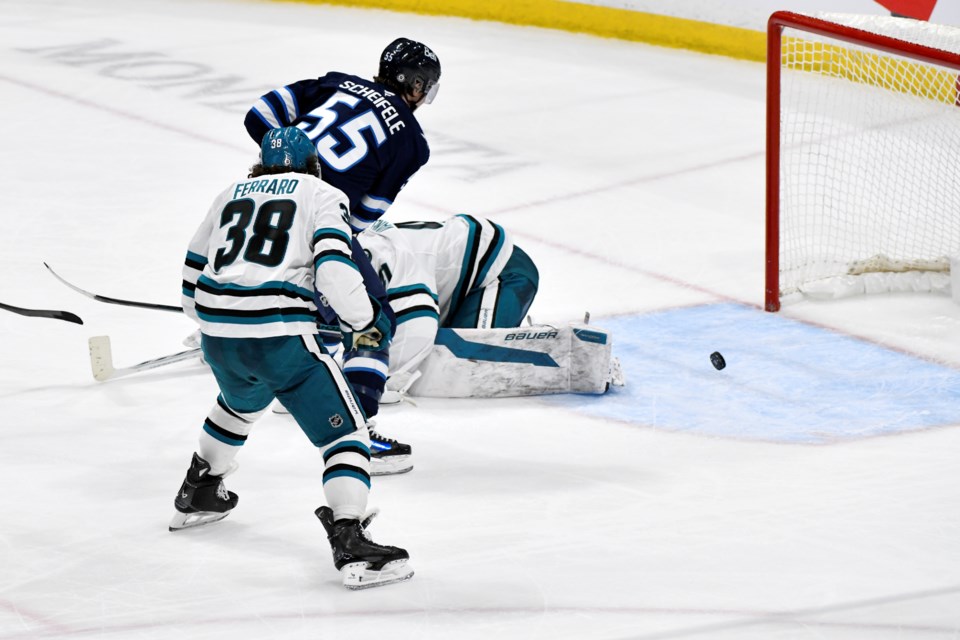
(287, 147)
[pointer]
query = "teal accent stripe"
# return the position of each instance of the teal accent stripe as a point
(343, 235)
(327, 477)
(425, 313)
(347, 444)
(271, 319)
(460, 292)
(196, 257)
(233, 442)
(274, 284)
(413, 288)
(475, 351)
(188, 292)
(590, 336)
(335, 258)
(492, 258)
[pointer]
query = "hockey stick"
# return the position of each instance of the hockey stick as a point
(43, 313)
(101, 360)
(126, 303)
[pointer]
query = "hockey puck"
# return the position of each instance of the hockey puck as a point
(717, 360)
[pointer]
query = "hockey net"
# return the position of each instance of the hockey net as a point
(863, 155)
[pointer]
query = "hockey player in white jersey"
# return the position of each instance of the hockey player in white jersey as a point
(464, 272)
(248, 280)
(460, 290)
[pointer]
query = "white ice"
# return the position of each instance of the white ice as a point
(634, 177)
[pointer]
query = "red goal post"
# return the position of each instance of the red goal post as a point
(863, 155)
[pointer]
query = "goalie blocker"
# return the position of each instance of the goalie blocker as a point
(524, 361)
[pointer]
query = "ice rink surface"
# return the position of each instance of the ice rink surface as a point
(809, 490)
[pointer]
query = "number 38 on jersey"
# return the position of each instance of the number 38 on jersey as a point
(261, 233)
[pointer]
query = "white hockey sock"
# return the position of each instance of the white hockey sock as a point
(346, 476)
(224, 432)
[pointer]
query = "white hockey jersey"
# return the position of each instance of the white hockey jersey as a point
(428, 268)
(265, 244)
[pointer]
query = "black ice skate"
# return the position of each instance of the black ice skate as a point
(387, 456)
(362, 562)
(202, 498)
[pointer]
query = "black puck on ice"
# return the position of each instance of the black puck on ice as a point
(717, 360)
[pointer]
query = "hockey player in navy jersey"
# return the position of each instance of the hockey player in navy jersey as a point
(368, 139)
(369, 144)
(268, 242)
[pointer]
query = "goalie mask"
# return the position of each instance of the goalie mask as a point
(407, 66)
(287, 147)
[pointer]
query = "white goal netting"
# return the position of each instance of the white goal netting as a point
(869, 152)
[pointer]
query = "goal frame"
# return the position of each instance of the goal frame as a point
(777, 22)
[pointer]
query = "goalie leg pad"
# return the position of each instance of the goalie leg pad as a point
(489, 363)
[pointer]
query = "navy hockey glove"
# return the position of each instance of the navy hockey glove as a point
(375, 337)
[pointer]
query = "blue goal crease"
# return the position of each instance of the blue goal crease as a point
(785, 381)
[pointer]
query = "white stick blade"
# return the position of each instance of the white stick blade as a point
(101, 357)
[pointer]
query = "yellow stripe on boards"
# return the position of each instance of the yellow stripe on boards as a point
(635, 26)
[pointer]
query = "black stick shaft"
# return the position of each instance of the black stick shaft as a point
(119, 301)
(53, 314)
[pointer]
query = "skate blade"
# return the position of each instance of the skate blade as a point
(357, 576)
(197, 519)
(390, 465)
(390, 397)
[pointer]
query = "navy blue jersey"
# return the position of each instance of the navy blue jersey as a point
(368, 139)
(371, 282)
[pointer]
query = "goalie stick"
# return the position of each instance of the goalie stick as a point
(101, 360)
(53, 314)
(126, 303)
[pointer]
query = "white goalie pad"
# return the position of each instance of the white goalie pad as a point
(524, 361)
